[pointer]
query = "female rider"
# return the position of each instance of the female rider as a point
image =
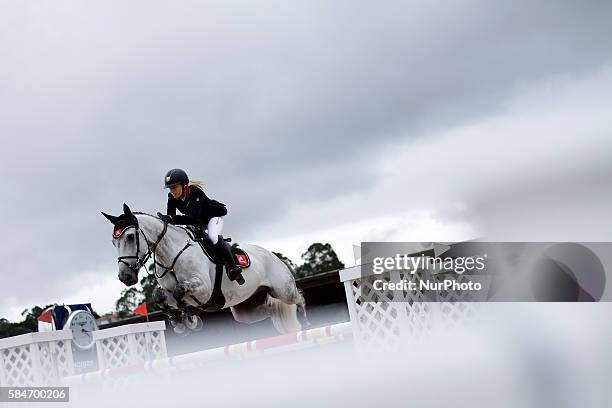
(202, 213)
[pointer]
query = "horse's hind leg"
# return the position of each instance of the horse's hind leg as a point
(250, 314)
(286, 290)
(301, 313)
(252, 310)
(301, 309)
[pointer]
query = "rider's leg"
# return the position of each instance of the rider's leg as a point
(234, 272)
(215, 225)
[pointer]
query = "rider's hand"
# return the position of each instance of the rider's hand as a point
(165, 218)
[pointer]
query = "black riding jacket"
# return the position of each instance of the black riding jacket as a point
(197, 208)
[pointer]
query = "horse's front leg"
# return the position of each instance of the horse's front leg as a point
(186, 290)
(164, 297)
(172, 309)
(190, 294)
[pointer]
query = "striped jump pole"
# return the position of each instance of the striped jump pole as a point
(272, 345)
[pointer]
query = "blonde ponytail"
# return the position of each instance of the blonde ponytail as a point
(197, 184)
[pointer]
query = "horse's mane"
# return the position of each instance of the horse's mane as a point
(185, 230)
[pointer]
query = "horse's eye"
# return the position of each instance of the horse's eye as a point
(130, 237)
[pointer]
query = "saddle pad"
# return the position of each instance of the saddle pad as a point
(242, 258)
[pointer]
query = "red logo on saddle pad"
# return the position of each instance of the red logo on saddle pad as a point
(241, 257)
(242, 260)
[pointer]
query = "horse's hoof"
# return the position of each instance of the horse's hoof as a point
(193, 323)
(183, 333)
(180, 329)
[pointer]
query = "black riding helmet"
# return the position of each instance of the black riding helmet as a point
(176, 176)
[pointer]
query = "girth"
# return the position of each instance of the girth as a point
(217, 299)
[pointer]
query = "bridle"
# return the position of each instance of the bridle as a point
(140, 262)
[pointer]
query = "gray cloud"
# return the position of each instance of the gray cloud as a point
(270, 104)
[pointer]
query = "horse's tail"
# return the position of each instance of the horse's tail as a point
(284, 316)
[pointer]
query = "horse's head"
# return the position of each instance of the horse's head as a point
(132, 253)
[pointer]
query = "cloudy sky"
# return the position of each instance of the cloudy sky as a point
(313, 121)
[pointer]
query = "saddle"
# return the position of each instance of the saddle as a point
(242, 258)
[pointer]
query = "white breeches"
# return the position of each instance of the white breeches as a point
(215, 225)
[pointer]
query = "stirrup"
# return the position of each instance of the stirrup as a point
(234, 273)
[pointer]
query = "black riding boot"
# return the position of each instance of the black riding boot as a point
(234, 272)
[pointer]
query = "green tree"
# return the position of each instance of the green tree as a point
(129, 299)
(318, 258)
(132, 297)
(28, 325)
(149, 284)
(8, 329)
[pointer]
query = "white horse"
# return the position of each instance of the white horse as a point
(187, 276)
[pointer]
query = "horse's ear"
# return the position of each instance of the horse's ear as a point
(111, 218)
(126, 209)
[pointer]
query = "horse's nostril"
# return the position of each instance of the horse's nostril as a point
(127, 278)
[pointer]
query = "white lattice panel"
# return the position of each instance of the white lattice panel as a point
(17, 366)
(384, 319)
(113, 352)
(156, 343)
(36, 359)
(131, 344)
(459, 308)
(63, 358)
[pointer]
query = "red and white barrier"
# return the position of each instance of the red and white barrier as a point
(272, 345)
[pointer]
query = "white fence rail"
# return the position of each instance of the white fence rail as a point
(130, 344)
(36, 359)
